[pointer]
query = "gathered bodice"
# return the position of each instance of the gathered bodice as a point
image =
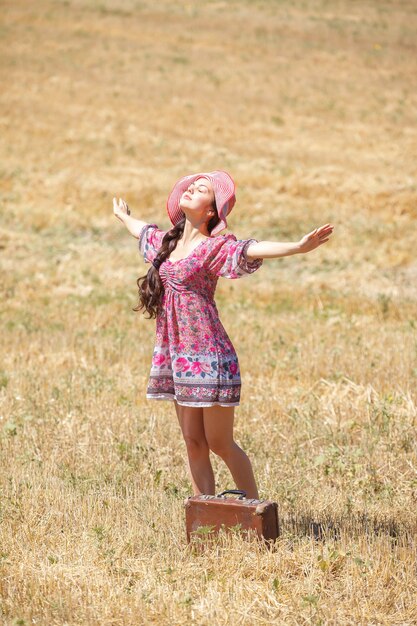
(188, 277)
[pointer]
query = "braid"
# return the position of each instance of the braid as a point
(151, 287)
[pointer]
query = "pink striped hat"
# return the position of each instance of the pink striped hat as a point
(224, 192)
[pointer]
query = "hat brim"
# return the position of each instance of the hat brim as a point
(224, 191)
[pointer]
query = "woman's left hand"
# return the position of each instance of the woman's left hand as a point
(315, 238)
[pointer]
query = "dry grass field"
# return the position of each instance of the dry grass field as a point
(311, 106)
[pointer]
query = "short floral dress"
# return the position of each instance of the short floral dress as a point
(194, 361)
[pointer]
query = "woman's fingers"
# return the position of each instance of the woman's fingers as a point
(117, 202)
(120, 205)
(126, 208)
(325, 230)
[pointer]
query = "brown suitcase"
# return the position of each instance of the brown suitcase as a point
(207, 514)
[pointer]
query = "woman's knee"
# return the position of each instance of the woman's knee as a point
(196, 446)
(221, 447)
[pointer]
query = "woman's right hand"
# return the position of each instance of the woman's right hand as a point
(120, 208)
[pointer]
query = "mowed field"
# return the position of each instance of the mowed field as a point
(311, 107)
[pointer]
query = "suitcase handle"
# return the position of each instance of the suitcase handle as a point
(236, 491)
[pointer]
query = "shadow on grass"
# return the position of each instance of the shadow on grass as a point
(352, 525)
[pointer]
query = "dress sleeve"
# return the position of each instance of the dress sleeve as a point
(230, 261)
(150, 240)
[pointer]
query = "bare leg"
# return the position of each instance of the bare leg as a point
(198, 452)
(218, 428)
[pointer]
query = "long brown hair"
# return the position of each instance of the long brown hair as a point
(151, 287)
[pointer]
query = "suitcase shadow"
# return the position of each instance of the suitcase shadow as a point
(334, 527)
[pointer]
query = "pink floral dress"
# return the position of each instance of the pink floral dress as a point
(194, 361)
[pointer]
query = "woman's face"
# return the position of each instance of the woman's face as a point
(198, 197)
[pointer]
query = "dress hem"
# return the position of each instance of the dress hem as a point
(202, 404)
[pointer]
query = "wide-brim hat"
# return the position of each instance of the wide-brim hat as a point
(224, 193)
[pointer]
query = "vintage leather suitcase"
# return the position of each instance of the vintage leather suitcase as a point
(207, 514)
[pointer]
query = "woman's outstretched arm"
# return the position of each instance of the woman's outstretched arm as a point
(274, 249)
(122, 212)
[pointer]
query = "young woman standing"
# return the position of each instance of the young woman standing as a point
(194, 362)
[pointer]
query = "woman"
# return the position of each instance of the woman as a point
(194, 362)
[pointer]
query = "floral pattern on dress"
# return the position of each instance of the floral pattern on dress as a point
(194, 360)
